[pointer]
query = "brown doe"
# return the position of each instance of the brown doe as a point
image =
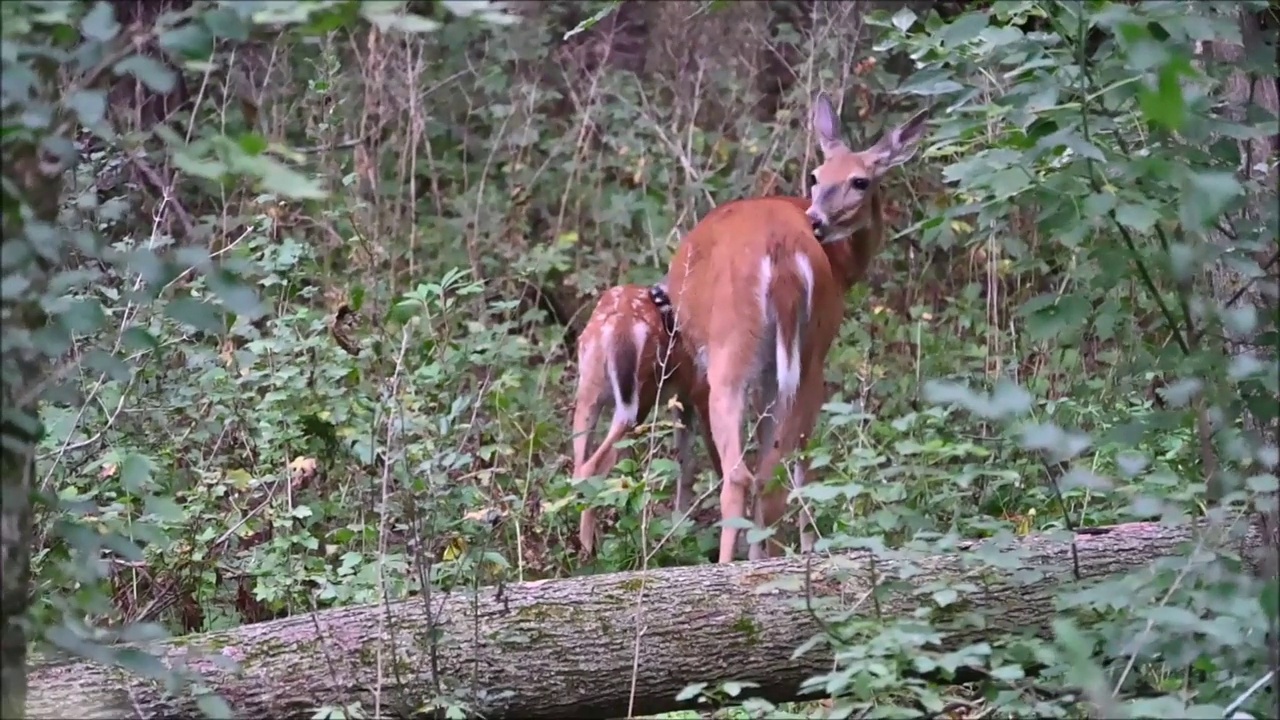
(758, 289)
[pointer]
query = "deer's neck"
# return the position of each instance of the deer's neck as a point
(851, 257)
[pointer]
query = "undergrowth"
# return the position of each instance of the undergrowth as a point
(298, 379)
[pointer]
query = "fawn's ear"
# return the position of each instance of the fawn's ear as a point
(826, 124)
(899, 144)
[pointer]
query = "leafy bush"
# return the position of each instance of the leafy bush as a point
(287, 380)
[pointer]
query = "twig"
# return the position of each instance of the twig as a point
(1235, 704)
(166, 190)
(387, 629)
(1248, 283)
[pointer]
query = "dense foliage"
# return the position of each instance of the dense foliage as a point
(290, 293)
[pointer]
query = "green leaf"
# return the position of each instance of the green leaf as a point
(124, 547)
(964, 28)
(90, 106)
(1164, 105)
(252, 143)
(465, 8)
(1144, 52)
(1131, 463)
(1048, 316)
(498, 17)
(1205, 195)
(149, 71)
(1099, 204)
(904, 19)
(292, 184)
(100, 22)
(405, 23)
(1139, 217)
(214, 707)
(734, 688)
(1077, 650)
(1081, 477)
(135, 473)
(137, 339)
(689, 692)
(1010, 399)
(238, 297)
(13, 287)
(1079, 145)
(64, 637)
(164, 508)
(142, 632)
(1006, 183)
(1271, 598)
(1240, 320)
(51, 340)
(930, 82)
(1180, 392)
(331, 18)
(191, 256)
(199, 167)
(106, 363)
(140, 662)
(1008, 673)
(83, 316)
(1262, 484)
(189, 40)
(147, 265)
(226, 23)
(198, 314)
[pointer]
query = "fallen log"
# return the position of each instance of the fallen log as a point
(601, 646)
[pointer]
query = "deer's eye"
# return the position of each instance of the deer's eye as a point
(812, 182)
(860, 183)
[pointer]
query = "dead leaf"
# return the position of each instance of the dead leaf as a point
(486, 516)
(301, 470)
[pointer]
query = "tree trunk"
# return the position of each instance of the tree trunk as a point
(39, 182)
(16, 470)
(36, 177)
(615, 645)
(1245, 88)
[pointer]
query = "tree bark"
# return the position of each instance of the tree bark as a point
(38, 181)
(16, 465)
(1244, 88)
(621, 644)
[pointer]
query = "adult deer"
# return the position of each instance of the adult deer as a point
(758, 290)
(626, 357)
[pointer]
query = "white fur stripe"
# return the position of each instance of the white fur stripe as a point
(805, 268)
(623, 411)
(788, 358)
(788, 367)
(762, 291)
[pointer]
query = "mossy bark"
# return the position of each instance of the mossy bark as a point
(38, 184)
(614, 645)
(1262, 91)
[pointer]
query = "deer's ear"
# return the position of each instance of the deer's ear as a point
(899, 144)
(826, 124)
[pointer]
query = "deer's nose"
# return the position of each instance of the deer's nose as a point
(817, 220)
